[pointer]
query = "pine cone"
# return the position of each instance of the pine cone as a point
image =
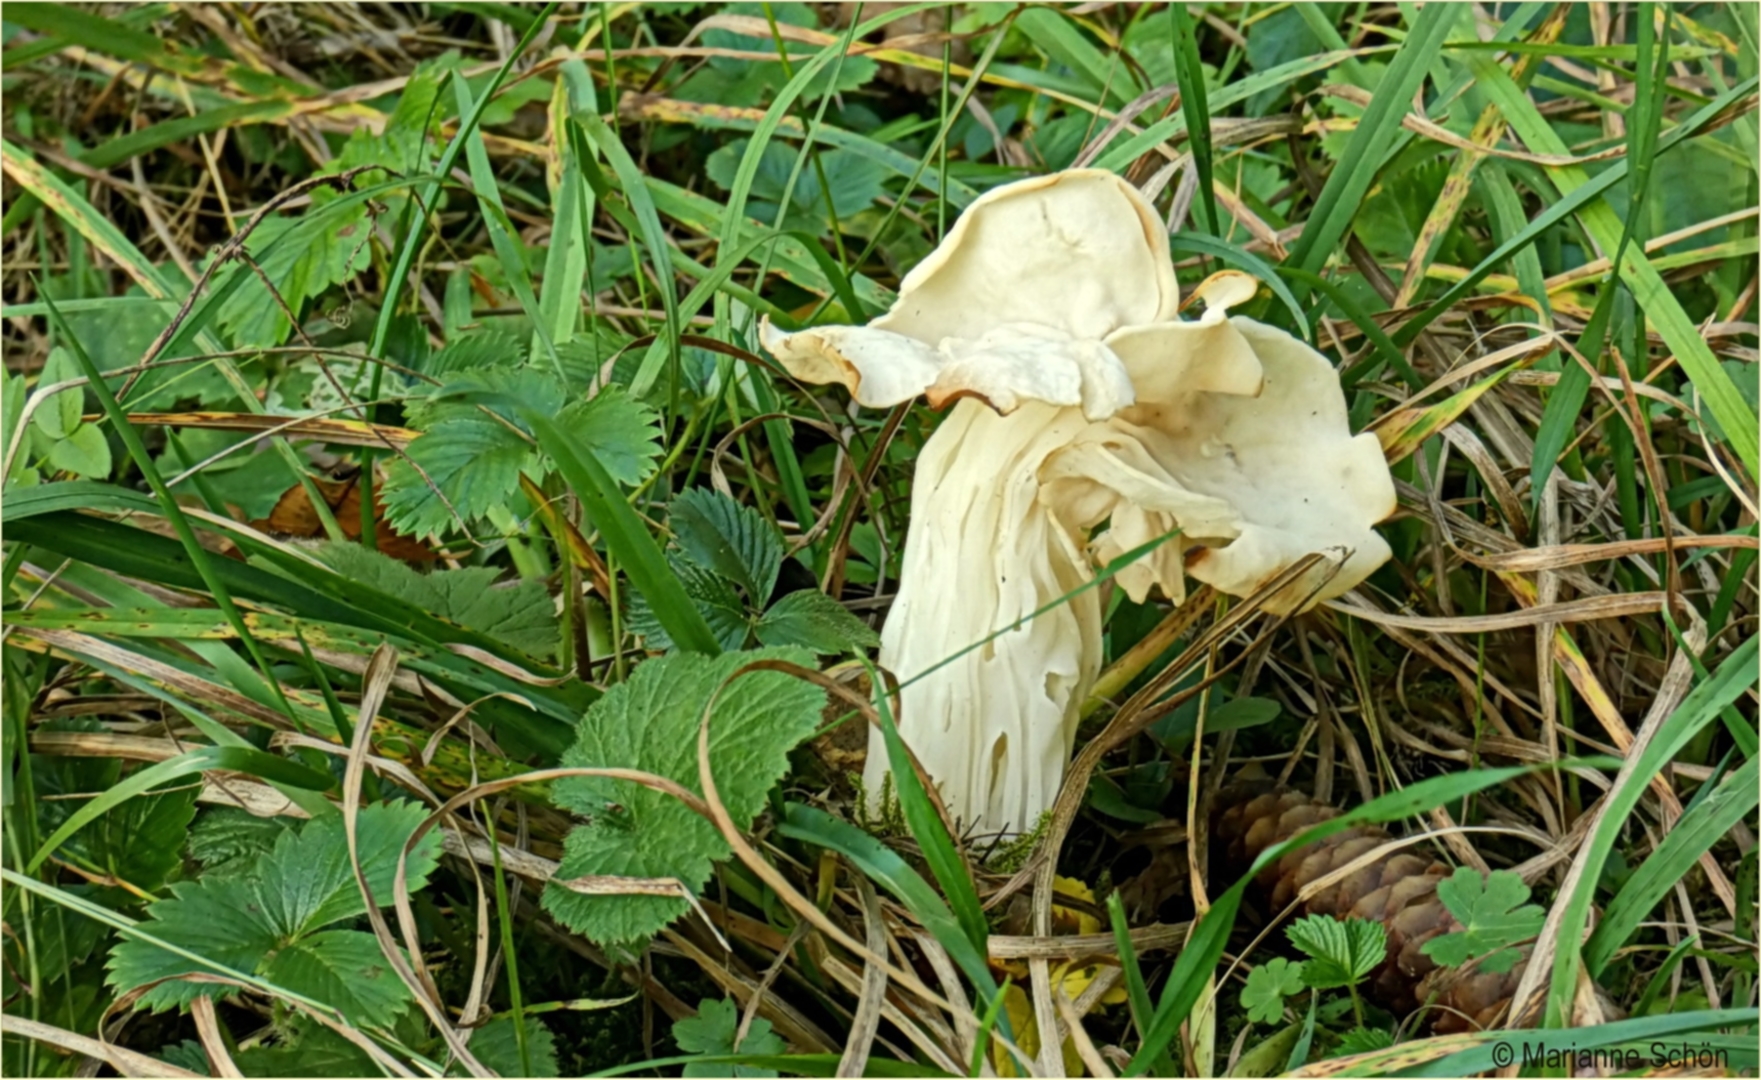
(1398, 890)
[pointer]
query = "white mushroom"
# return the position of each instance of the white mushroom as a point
(1048, 318)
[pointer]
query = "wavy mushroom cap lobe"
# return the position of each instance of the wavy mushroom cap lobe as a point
(1079, 251)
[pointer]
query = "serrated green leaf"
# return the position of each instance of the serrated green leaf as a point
(222, 920)
(344, 968)
(1362, 1041)
(473, 460)
(813, 619)
(714, 598)
(1267, 987)
(60, 414)
(623, 434)
(139, 841)
(187, 1054)
(712, 1031)
(85, 452)
(227, 840)
(331, 255)
(306, 881)
(497, 1047)
(1340, 953)
(481, 350)
(519, 613)
(650, 722)
(730, 538)
(251, 921)
(854, 181)
(1494, 914)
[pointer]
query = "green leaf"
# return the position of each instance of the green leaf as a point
(344, 968)
(1709, 819)
(813, 619)
(1332, 217)
(730, 538)
(1494, 913)
(734, 81)
(306, 882)
(203, 758)
(85, 452)
(60, 414)
(519, 613)
(855, 183)
(884, 866)
(650, 723)
(475, 463)
(331, 255)
(1341, 953)
(496, 1045)
(251, 922)
(222, 920)
(479, 350)
(1267, 987)
(227, 840)
(712, 1031)
(714, 598)
(623, 434)
(1362, 1041)
(141, 841)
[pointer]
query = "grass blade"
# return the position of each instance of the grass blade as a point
(945, 860)
(626, 537)
(1698, 829)
(1336, 207)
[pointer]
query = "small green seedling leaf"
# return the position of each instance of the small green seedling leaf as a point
(712, 1031)
(1362, 1041)
(1267, 987)
(1494, 914)
(1341, 953)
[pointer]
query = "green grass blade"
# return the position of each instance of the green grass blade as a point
(198, 555)
(1569, 203)
(890, 872)
(1702, 705)
(1384, 353)
(1137, 992)
(1660, 305)
(945, 860)
(503, 236)
(230, 758)
(1694, 834)
(625, 537)
(27, 502)
(1334, 210)
(1261, 270)
(1052, 33)
(1191, 76)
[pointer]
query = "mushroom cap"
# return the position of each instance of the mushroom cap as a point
(1081, 251)
(1254, 483)
(1015, 303)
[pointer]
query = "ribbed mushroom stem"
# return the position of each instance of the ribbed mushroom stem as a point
(993, 728)
(1398, 890)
